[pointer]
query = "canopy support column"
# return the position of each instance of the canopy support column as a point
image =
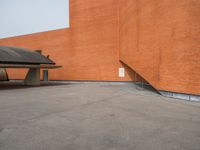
(33, 77)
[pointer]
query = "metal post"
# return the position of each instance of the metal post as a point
(45, 75)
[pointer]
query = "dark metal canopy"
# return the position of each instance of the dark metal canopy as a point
(14, 55)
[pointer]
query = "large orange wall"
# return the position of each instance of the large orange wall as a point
(88, 50)
(159, 39)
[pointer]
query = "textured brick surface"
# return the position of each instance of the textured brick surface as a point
(160, 41)
(88, 50)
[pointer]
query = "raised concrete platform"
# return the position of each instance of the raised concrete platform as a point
(95, 116)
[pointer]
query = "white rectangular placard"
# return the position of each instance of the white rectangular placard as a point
(121, 72)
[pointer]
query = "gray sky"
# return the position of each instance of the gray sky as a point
(21, 17)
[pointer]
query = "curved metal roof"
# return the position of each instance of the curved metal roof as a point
(14, 55)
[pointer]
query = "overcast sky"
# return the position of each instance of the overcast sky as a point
(21, 17)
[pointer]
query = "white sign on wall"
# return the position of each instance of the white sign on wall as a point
(122, 72)
(21, 17)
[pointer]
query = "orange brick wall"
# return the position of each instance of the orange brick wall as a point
(160, 41)
(88, 50)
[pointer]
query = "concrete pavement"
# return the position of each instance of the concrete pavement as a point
(96, 116)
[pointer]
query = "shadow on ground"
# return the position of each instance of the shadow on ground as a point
(18, 84)
(144, 86)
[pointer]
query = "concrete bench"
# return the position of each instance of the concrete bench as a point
(33, 75)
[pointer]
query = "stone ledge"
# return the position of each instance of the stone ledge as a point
(188, 97)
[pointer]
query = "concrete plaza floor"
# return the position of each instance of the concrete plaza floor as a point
(95, 116)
